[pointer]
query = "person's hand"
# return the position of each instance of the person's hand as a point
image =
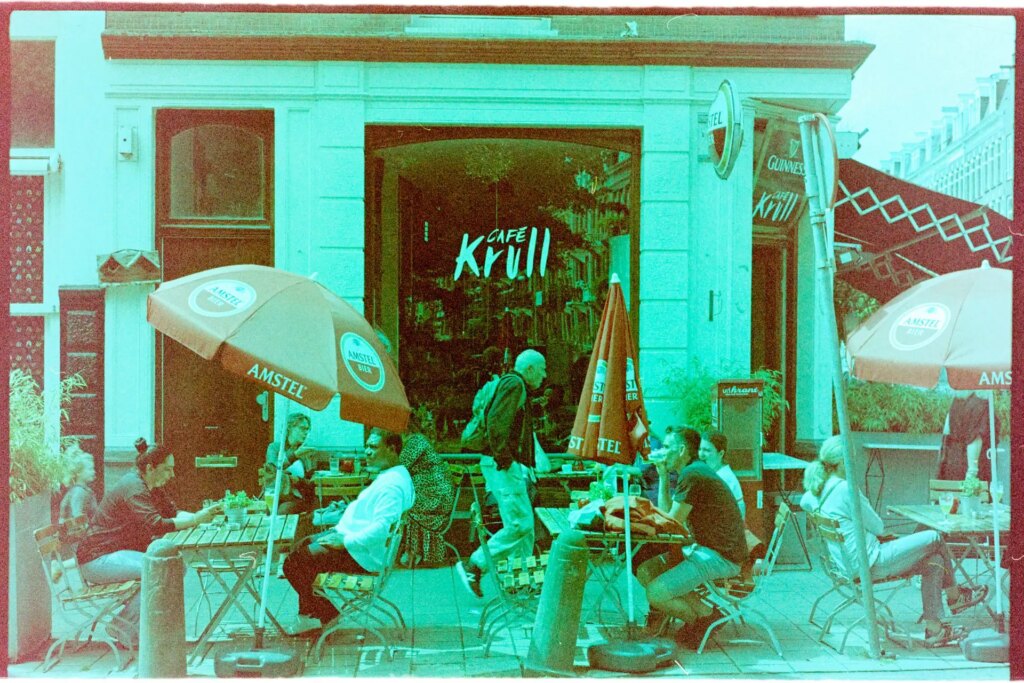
(207, 514)
(335, 541)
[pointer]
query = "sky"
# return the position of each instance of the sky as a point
(919, 65)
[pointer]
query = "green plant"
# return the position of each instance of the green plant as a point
(881, 407)
(695, 392)
(239, 499)
(37, 461)
(972, 486)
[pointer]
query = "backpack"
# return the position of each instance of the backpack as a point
(474, 436)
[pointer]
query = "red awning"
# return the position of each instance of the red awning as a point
(891, 234)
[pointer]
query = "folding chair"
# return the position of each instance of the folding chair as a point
(463, 476)
(849, 587)
(734, 597)
(88, 605)
(355, 595)
(517, 583)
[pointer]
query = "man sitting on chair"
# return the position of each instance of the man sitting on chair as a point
(357, 545)
(703, 502)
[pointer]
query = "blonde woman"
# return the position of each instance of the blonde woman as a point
(923, 553)
(79, 499)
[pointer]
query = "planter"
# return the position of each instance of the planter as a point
(235, 515)
(29, 603)
(970, 506)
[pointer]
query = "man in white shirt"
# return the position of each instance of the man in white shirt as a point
(712, 451)
(357, 544)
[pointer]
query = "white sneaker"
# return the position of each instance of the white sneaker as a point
(303, 624)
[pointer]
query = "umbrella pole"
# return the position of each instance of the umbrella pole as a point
(629, 561)
(825, 266)
(994, 450)
(261, 624)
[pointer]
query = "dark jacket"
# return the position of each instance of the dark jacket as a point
(129, 517)
(510, 423)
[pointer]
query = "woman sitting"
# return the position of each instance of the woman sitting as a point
(79, 499)
(298, 493)
(435, 495)
(923, 553)
(133, 513)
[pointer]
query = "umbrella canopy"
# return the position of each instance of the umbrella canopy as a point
(611, 422)
(906, 234)
(287, 333)
(958, 322)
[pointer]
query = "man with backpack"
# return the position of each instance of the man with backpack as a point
(503, 431)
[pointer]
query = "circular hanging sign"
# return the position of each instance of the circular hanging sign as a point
(221, 298)
(725, 129)
(828, 163)
(362, 361)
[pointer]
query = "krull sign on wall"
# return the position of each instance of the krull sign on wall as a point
(524, 248)
(779, 181)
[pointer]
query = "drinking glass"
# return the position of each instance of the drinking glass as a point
(996, 489)
(268, 498)
(946, 503)
(634, 490)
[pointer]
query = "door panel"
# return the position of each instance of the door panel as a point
(202, 409)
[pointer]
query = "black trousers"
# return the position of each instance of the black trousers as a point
(301, 567)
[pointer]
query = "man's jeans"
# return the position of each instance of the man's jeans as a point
(922, 553)
(699, 565)
(115, 567)
(516, 534)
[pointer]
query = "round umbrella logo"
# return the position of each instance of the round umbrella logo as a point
(919, 326)
(221, 298)
(361, 361)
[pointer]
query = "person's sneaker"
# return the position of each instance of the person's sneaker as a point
(969, 597)
(947, 635)
(303, 624)
(656, 622)
(470, 579)
(692, 633)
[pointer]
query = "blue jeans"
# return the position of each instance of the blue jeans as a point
(700, 564)
(516, 534)
(115, 567)
(922, 553)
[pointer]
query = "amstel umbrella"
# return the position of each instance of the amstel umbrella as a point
(289, 334)
(611, 422)
(958, 322)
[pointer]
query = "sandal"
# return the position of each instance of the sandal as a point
(969, 597)
(947, 635)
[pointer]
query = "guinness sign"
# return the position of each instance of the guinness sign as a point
(725, 129)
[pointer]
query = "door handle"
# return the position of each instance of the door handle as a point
(263, 399)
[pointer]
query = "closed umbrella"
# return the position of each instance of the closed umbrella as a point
(959, 323)
(289, 334)
(611, 422)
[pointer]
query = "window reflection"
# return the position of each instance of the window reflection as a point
(217, 172)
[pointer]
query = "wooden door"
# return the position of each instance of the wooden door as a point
(202, 409)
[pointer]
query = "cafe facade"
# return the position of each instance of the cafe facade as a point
(465, 181)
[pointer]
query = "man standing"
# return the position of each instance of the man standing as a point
(505, 465)
(703, 502)
(358, 544)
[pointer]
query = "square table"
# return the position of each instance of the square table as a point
(605, 545)
(965, 530)
(218, 546)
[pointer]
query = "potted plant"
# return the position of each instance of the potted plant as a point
(236, 505)
(695, 392)
(37, 469)
(972, 489)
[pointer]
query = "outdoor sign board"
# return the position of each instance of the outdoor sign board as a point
(725, 129)
(779, 194)
(739, 405)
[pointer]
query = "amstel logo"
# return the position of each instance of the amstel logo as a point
(361, 361)
(918, 327)
(221, 298)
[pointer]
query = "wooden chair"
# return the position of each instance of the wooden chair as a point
(86, 605)
(361, 595)
(849, 588)
(735, 597)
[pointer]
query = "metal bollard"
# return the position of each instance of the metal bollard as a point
(553, 643)
(162, 616)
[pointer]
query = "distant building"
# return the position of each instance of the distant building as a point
(969, 152)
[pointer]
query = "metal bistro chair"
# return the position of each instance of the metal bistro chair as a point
(355, 595)
(849, 588)
(463, 476)
(517, 583)
(734, 597)
(88, 605)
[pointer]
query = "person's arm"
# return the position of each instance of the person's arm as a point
(187, 520)
(873, 524)
(973, 457)
(504, 417)
(664, 493)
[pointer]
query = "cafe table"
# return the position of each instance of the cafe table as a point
(968, 536)
(569, 481)
(218, 547)
(607, 558)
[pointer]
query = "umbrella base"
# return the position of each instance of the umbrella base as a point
(257, 664)
(632, 656)
(986, 645)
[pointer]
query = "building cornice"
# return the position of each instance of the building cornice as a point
(846, 56)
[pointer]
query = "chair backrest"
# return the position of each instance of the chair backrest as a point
(392, 546)
(937, 487)
(771, 556)
(52, 550)
(74, 529)
(831, 535)
(344, 486)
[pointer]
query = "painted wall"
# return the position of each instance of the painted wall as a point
(695, 233)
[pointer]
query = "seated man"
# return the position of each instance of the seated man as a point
(357, 544)
(712, 451)
(704, 503)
